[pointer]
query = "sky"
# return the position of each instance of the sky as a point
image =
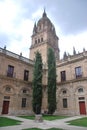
(17, 18)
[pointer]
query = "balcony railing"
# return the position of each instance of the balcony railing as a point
(73, 77)
(12, 75)
(78, 76)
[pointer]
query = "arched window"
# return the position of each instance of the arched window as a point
(8, 89)
(24, 91)
(64, 91)
(80, 90)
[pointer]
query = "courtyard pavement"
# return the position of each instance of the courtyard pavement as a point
(26, 123)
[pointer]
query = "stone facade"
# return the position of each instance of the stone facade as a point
(16, 74)
(13, 87)
(72, 87)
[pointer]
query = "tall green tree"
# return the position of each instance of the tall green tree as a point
(37, 84)
(51, 81)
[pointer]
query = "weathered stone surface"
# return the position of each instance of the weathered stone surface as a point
(38, 118)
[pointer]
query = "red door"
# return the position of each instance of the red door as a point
(82, 108)
(5, 107)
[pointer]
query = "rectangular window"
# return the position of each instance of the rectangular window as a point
(38, 40)
(65, 103)
(63, 75)
(10, 71)
(78, 72)
(35, 41)
(23, 102)
(6, 97)
(42, 39)
(81, 98)
(26, 74)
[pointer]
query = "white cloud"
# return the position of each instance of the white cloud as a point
(19, 35)
(78, 41)
(37, 14)
(24, 31)
(8, 13)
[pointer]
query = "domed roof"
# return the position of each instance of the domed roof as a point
(44, 19)
(43, 23)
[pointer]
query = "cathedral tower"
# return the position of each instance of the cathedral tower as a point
(44, 36)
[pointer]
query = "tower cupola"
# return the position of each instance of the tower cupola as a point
(43, 37)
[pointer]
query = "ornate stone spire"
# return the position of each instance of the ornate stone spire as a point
(44, 13)
(35, 28)
(74, 51)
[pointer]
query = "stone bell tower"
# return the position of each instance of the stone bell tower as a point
(43, 37)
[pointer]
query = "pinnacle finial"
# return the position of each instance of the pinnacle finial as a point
(74, 51)
(35, 28)
(44, 13)
(35, 24)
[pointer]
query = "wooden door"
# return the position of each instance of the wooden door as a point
(5, 107)
(82, 108)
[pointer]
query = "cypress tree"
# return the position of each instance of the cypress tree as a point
(51, 81)
(37, 84)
